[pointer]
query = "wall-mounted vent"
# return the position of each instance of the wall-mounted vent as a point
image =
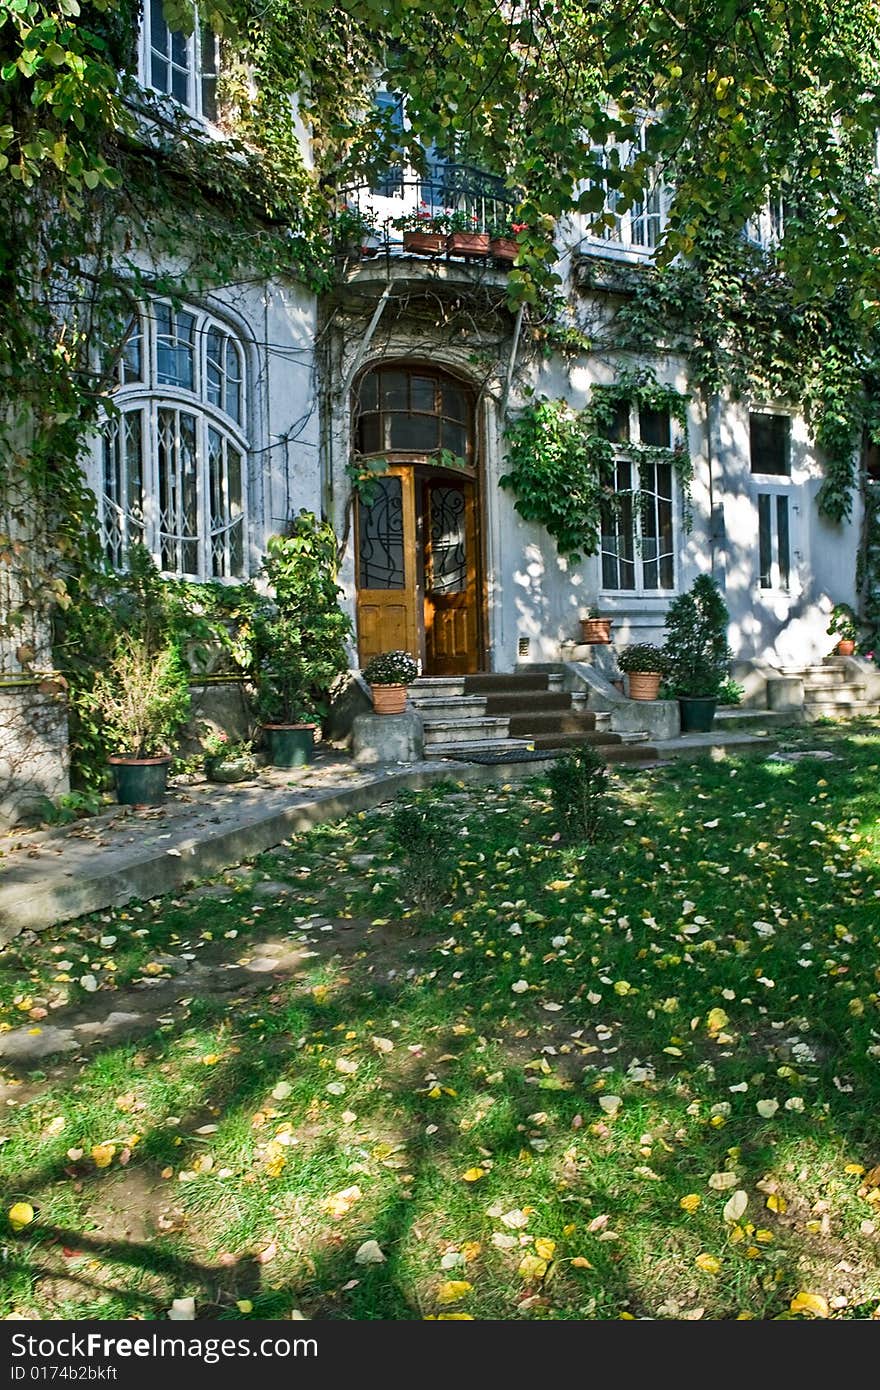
(522, 646)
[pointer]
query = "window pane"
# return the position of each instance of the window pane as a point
(233, 381)
(423, 394)
(368, 394)
(178, 491)
(455, 438)
(618, 429)
(782, 542)
(654, 427)
(132, 366)
(209, 73)
(214, 383)
(368, 437)
(394, 392)
(769, 443)
(448, 568)
(454, 402)
(175, 351)
(419, 433)
(389, 180)
(380, 537)
(765, 558)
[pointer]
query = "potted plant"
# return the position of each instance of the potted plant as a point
(466, 238)
(503, 245)
(645, 665)
(227, 760)
(697, 652)
(388, 674)
(143, 699)
(843, 625)
(594, 629)
(298, 639)
(352, 231)
(424, 231)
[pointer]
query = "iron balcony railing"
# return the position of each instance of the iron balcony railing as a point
(448, 188)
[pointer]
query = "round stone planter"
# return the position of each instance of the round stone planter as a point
(644, 685)
(228, 770)
(697, 713)
(389, 699)
(596, 631)
(140, 781)
(289, 745)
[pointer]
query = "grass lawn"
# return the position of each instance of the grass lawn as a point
(639, 1079)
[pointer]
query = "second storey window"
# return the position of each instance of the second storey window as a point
(174, 461)
(639, 526)
(181, 66)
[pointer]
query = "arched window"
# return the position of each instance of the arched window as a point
(413, 410)
(174, 459)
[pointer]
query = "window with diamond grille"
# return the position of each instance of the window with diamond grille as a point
(174, 457)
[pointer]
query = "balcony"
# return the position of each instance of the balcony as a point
(395, 206)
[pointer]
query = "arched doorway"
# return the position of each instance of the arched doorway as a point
(419, 576)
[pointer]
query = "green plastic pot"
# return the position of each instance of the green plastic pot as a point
(697, 713)
(289, 745)
(140, 781)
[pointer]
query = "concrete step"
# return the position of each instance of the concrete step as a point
(449, 706)
(734, 717)
(464, 730)
(511, 702)
(843, 695)
(497, 682)
(829, 677)
(552, 721)
(829, 709)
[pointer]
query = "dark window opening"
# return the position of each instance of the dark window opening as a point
(769, 443)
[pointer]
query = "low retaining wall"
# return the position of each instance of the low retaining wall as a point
(34, 757)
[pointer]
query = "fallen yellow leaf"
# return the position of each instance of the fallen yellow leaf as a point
(709, 1264)
(103, 1154)
(474, 1174)
(20, 1214)
(244, 1305)
(579, 1262)
(812, 1303)
(532, 1268)
(776, 1202)
(545, 1248)
(453, 1290)
(690, 1202)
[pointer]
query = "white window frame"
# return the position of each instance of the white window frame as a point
(622, 453)
(193, 104)
(120, 524)
(774, 491)
(767, 228)
(622, 237)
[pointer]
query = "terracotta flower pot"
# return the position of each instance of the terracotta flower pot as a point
(468, 244)
(388, 699)
(644, 685)
(503, 248)
(424, 243)
(845, 647)
(596, 630)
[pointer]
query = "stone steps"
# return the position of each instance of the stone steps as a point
(522, 713)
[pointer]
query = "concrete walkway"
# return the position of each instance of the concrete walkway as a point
(140, 853)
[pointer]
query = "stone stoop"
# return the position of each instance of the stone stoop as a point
(832, 690)
(519, 717)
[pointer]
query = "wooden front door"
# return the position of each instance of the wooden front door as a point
(418, 570)
(450, 565)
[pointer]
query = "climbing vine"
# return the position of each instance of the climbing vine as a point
(562, 460)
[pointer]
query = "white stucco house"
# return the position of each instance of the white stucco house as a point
(241, 407)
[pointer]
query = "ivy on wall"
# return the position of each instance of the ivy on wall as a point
(562, 460)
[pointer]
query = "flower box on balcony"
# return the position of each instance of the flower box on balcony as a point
(503, 248)
(424, 243)
(468, 244)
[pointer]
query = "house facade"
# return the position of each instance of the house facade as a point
(240, 407)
